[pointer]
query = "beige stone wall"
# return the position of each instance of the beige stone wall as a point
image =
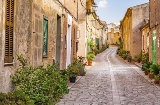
(82, 46)
(82, 36)
(1, 24)
(154, 25)
(116, 38)
(138, 15)
(22, 30)
(28, 32)
(72, 6)
(145, 39)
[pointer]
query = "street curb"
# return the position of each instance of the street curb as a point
(72, 84)
(139, 65)
(146, 77)
(143, 75)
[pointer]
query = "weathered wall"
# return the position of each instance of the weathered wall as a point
(21, 38)
(139, 13)
(28, 32)
(82, 38)
(72, 6)
(74, 39)
(145, 39)
(154, 25)
(1, 33)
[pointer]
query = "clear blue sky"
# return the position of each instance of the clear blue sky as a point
(112, 11)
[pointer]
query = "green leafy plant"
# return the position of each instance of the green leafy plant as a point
(121, 52)
(16, 97)
(22, 60)
(154, 69)
(124, 56)
(145, 57)
(92, 45)
(90, 56)
(138, 58)
(146, 66)
(129, 58)
(104, 47)
(73, 70)
(42, 85)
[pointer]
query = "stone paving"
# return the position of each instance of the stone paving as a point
(112, 81)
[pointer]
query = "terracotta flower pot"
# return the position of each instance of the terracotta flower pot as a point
(89, 63)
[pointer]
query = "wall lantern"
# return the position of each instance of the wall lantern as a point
(94, 8)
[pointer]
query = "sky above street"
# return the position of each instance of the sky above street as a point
(112, 11)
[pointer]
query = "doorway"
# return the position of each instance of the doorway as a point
(68, 57)
(58, 41)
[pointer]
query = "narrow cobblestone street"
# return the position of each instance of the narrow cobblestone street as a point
(112, 81)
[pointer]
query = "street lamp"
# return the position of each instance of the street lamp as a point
(94, 8)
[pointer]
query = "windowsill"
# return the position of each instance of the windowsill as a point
(9, 64)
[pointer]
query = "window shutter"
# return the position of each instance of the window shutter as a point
(9, 31)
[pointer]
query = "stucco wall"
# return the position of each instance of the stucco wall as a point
(154, 25)
(28, 32)
(139, 13)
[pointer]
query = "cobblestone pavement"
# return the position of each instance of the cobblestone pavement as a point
(112, 81)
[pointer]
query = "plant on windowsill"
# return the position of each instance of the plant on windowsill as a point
(90, 57)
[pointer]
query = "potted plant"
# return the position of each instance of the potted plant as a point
(156, 79)
(129, 58)
(145, 67)
(73, 72)
(90, 57)
(154, 70)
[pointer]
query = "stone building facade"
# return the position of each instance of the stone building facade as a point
(70, 28)
(145, 38)
(130, 28)
(94, 26)
(38, 30)
(154, 36)
(113, 33)
(82, 34)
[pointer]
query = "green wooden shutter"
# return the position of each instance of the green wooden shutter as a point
(45, 37)
(9, 31)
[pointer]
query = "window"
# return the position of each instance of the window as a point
(9, 23)
(45, 37)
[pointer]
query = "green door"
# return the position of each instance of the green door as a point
(154, 47)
